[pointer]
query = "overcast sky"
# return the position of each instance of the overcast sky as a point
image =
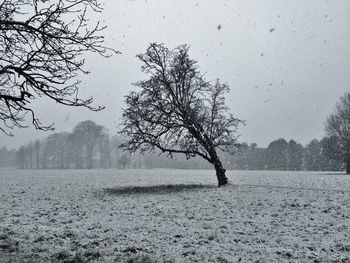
(286, 62)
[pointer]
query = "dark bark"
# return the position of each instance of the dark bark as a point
(215, 160)
(348, 167)
(220, 171)
(221, 176)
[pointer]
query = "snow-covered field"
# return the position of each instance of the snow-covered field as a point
(89, 216)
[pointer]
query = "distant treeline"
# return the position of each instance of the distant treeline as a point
(285, 156)
(91, 146)
(7, 157)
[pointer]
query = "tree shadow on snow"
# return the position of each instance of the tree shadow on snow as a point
(156, 189)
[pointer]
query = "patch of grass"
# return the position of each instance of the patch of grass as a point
(20, 258)
(7, 243)
(66, 256)
(142, 259)
(155, 189)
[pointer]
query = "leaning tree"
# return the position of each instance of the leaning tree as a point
(42, 43)
(177, 111)
(338, 128)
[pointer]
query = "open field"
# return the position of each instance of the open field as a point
(173, 216)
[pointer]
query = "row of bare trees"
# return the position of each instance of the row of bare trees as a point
(88, 146)
(317, 155)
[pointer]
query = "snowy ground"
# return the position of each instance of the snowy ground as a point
(87, 216)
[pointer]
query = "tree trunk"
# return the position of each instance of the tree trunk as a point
(37, 160)
(220, 174)
(220, 171)
(348, 167)
(89, 161)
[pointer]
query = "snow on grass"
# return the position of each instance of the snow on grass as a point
(173, 216)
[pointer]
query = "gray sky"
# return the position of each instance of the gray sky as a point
(286, 62)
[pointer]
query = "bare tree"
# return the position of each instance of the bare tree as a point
(124, 160)
(338, 127)
(278, 154)
(37, 146)
(295, 156)
(20, 157)
(177, 110)
(55, 151)
(103, 145)
(42, 44)
(115, 150)
(87, 134)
